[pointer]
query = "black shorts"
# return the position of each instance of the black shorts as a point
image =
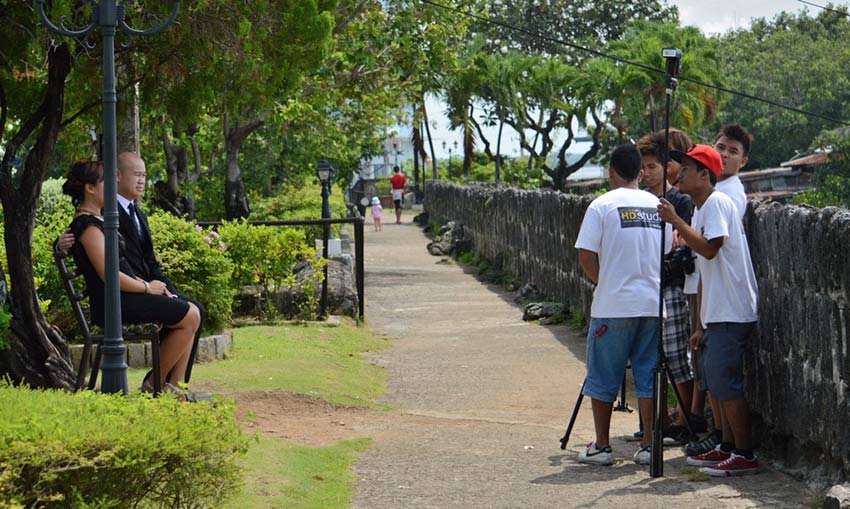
(397, 204)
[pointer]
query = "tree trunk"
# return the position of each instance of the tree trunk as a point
(176, 160)
(483, 139)
(195, 175)
(419, 143)
(415, 142)
(430, 141)
(128, 110)
(236, 202)
(468, 141)
(38, 353)
(499, 153)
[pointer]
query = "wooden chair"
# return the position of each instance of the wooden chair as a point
(135, 333)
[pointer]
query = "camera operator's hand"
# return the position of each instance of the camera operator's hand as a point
(668, 212)
(676, 239)
(696, 340)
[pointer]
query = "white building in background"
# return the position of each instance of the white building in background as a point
(397, 150)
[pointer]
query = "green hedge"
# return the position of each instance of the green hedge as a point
(266, 256)
(95, 450)
(195, 261)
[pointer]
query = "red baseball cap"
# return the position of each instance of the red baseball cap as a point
(703, 154)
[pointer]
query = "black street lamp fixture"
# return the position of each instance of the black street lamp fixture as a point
(326, 173)
(108, 16)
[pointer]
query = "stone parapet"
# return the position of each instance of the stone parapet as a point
(797, 364)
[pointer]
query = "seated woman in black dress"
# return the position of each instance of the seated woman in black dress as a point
(141, 301)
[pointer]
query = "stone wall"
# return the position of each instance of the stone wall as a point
(527, 233)
(797, 366)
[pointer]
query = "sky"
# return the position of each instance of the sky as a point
(717, 16)
(711, 16)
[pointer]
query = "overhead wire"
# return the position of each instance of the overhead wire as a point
(836, 11)
(626, 61)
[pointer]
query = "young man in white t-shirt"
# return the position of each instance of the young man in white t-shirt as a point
(733, 144)
(620, 231)
(728, 305)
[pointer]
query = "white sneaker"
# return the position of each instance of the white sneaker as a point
(643, 456)
(594, 456)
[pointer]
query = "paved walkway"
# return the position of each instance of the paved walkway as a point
(482, 397)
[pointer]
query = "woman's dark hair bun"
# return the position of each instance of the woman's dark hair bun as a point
(80, 174)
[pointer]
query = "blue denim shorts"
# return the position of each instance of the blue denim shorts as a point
(723, 359)
(611, 342)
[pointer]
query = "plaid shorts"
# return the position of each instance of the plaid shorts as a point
(677, 334)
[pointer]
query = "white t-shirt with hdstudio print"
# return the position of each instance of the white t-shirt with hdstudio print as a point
(729, 289)
(624, 229)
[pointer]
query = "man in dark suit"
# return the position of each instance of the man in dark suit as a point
(138, 243)
(134, 228)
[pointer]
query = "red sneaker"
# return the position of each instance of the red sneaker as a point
(708, 459)
(735, 465)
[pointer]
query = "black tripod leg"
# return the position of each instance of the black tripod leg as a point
(656, 467)
(566, 437)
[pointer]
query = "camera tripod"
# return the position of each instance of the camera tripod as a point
(623, 407)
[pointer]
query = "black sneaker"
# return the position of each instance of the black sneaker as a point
(637, 436)
(676, 435)
(708, 443)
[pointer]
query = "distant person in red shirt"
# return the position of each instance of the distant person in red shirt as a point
(398, 181)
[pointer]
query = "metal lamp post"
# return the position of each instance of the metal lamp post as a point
(326, 173)
(108, 16)
(445, 145)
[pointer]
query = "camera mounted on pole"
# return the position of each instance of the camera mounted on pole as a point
(673, 60)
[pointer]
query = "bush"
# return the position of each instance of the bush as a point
(96, 450)
(52, 199)
(195, 261)
(266, 256)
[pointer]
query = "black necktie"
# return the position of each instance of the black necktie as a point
(135, 217)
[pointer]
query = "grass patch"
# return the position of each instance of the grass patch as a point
(312, 359)
(323, 362)
(817, 503)
(694, 474)
(283, 474)
(577, 320)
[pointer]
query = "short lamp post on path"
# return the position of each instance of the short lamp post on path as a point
(325, 172)
(108, 16)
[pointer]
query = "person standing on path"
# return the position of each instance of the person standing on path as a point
(728, 300)
(618, 249)
(376, 213)
(398, 181)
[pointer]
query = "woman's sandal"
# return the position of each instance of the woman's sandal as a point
(147, 384)
(180, 393)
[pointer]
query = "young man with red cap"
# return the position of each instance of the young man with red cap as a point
(728, 304)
